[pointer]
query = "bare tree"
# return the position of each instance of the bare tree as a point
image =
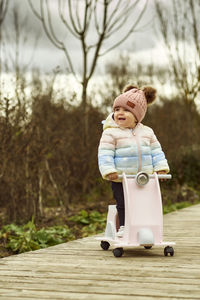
(3, 11)
(103, 20)
(15, 116)
(16, 41)
(180, 28)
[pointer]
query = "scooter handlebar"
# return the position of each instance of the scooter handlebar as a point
(160, 176)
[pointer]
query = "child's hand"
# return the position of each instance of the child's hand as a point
(162, 172)
(112, 176)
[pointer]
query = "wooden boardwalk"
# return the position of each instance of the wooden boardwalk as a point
(81, 270)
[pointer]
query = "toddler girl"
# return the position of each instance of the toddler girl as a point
(127, 145)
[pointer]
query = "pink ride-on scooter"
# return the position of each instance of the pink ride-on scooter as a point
(143, 216)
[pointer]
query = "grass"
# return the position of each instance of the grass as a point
(175, 206)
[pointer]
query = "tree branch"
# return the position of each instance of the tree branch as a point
(195, 32)
(101, 37)
(72, 18)
(124, 13)
(128, 33)
(50, 34)
(64, 20)
(114, 12)
(87, 15)
(50, 24)
(3, 10)
(95, 18)
(34, 11)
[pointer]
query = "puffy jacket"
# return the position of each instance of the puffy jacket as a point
(129, 150)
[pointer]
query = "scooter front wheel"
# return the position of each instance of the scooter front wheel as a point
(104, 245)
(169, 250)
(118, 252)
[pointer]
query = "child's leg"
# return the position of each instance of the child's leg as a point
(118, 195)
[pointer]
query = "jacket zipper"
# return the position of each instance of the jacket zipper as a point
(139, 150)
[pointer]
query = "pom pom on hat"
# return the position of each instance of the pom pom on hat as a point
(150, 94)
(136, 100)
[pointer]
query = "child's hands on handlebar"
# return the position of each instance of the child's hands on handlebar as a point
(112, 176)
(162, 172)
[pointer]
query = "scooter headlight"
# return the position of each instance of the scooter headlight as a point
(142, 178)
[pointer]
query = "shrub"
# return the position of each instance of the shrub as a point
(27, 237)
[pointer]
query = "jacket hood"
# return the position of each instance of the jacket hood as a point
(109, 122)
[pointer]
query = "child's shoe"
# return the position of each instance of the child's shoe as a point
(120, 232)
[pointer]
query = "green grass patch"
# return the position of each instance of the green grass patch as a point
(27, 237)
(89, 222)
(175, 206)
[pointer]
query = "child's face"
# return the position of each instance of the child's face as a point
(124, 118)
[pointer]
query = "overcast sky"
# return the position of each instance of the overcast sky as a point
(144, 43)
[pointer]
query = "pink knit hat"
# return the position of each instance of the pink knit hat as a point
(136, 100)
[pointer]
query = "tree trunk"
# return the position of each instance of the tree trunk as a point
(85, 142)
(54, 183)
(40, 199)
(84, 106)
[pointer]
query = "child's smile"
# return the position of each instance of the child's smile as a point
(124, 118)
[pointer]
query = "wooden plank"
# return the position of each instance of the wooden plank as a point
(79, 296)
(81, 270)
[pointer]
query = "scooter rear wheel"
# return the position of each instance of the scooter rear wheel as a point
(118, 252)
(104, 245)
